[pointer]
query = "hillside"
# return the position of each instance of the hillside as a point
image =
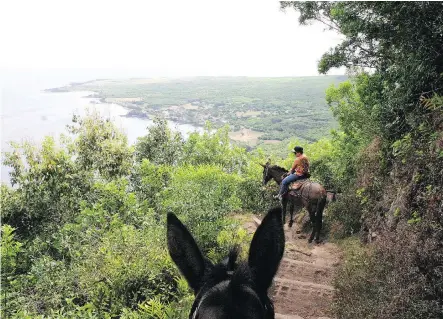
(258, 110)
(83, 225)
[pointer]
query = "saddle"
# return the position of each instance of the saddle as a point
(294, 188)
(298, 184)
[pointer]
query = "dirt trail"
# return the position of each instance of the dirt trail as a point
(302, 288)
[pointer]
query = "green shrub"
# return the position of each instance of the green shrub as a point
(231, 236)
(214, 147)
(193, 190)
(344, 216)
(10, 250)
(397, 277)
(161, 145)
(90, 222)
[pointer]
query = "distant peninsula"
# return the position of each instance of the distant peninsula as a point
(258, 110)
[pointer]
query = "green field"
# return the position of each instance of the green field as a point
(274, 109)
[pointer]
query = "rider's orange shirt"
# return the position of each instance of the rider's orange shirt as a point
(301, 165)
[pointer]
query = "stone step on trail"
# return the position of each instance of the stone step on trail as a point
(302, 286)
(307, 302)
(304, 271)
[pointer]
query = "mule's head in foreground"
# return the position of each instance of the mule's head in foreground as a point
(230, 290)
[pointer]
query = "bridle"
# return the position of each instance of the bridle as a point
(266, 303)
(194, 313)
(266, 174)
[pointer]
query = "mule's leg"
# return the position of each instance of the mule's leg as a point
(319, 218)
(319, 225)
(284, 203)
(312, 219)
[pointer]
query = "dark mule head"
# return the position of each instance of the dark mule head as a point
(228, 290)
(272, 172)
(267, 176)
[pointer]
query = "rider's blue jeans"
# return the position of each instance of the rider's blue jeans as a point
(288, 180)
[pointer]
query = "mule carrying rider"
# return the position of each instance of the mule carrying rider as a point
(298, 171)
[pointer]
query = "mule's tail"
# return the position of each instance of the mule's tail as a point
(331, 196)
(319, 216)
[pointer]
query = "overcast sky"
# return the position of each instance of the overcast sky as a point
(178, 38)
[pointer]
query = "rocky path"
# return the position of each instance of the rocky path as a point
(302, 288)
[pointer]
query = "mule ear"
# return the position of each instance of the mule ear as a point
(263, 165)
(267, 249)
(185, 252)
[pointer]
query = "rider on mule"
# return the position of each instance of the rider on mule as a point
(298, 171)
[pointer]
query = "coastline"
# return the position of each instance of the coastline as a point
(254, 118)
(134, 111)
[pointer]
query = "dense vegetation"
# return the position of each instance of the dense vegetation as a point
(390, 152)
(83, 225)
(278, 108)
(83, 231)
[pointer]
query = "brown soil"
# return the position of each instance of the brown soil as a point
(271, 141)
(187, 106)
(245, 135)
(248, 113)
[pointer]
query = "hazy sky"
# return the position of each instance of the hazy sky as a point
(171, 38)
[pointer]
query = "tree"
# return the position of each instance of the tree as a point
(160, 145)
(392, 119)
(399, 43)
(100, 146)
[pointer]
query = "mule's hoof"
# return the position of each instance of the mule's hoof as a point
(310, 240)
(318, 241)
(290, 224)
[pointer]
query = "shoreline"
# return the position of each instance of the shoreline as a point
(135, 113)
(135, 110)
(132, 112)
